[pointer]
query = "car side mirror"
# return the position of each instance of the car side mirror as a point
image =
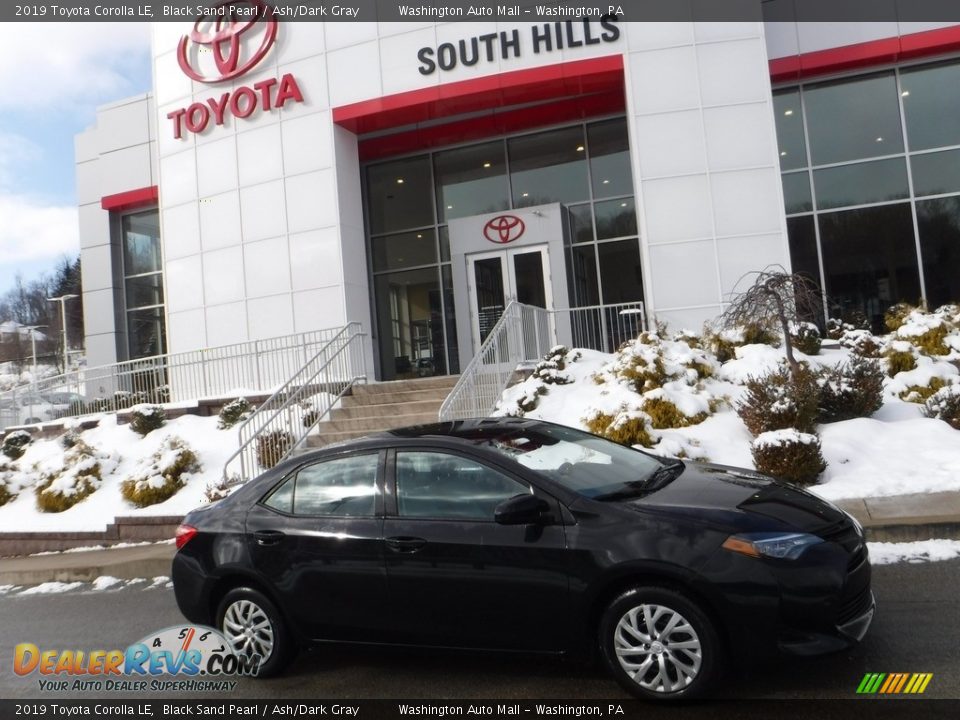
(523, 509)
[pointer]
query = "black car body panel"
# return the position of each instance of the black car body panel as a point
(536, 587)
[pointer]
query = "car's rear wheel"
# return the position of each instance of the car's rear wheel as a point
(658, 644)
(252, 625)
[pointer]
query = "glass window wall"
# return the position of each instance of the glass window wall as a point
(878, 208)
(143, 285)
(586, 167)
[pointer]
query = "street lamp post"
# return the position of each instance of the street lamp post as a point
(33, 345)
(63, 323)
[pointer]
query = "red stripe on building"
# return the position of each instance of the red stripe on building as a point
(866, 54)
(131, 199)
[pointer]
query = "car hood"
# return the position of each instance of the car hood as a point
(742, 499)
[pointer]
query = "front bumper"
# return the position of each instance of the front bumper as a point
(843, 635)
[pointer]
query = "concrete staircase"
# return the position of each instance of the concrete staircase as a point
(376, 407)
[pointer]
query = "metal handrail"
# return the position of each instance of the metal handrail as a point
(226, 371)
(522, 335)
(283, 421)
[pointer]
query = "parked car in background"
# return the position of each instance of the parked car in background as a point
(521, 535)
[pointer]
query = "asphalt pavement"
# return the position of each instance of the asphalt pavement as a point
(917, 629)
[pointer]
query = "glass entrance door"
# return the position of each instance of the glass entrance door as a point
(495, 278)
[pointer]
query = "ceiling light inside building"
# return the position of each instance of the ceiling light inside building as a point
(579, 148)
(606, 182)
(486, 164)
(879, 139)
(905, 93)
(399, 181)
(788, 112)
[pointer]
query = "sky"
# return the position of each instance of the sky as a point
(53, 76)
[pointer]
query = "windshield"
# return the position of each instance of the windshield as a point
(589, 465)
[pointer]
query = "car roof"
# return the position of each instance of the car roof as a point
(452, 433)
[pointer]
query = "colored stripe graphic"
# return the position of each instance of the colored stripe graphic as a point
(894, 683)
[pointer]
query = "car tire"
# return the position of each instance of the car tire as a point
(244, 608)
(677, 661)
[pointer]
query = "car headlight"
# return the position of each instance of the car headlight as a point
(782, 546)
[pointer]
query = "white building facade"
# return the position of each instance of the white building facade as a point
(414, 177)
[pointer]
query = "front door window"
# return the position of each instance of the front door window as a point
(495, 278)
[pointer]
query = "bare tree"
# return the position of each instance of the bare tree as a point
(774, 301)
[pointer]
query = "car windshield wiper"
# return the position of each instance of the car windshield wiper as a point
(664, 474)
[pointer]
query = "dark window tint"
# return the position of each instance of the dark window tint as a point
(393, 252)
(620, 275)
(796, 192)
(792, 146)
(581, 223)
(410, 322)
(471, 181)
(400, 195)
(861, 183)
(582, 276)
(853, 119)
(616, 218)
(146, 333)
(870, 261)
(936, 173)
(145, 290)
(803, 247)
(939, 222)
(141, 243)
(549, 167)
(442, 486)
(931, 105)
(345, 487)
(610, 158)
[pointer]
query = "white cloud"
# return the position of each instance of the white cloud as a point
(31, 230)
(50, 64)
(15, 150)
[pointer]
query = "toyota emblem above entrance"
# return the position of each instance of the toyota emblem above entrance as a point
(504, 229)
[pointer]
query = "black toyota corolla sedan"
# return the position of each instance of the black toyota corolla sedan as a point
(515, 534)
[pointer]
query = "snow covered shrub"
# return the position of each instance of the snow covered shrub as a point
(639, 364)
(920, 393)
(79, 477)
(69, 439)
(159, 476)
(550, 370)
(272, 446)
(144, 419)
(627, 427)
(896, 315)
(776, 401)
(724, 344)
(949, 313)
(234, 412)
(926, 332)
(805, 337)
(788, 454)
(14, 444)
(861, 342)
(853, 389)
(944, 405)
(665, 414)
(221, 488)
(900, 358)
(836, 328)
(5, 495)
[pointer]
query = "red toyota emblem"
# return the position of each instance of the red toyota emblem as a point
(503, 229)
(222, 37)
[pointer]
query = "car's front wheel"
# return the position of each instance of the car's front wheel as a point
(252, 625)
(658, 644)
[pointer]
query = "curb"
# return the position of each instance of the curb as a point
(147, 561)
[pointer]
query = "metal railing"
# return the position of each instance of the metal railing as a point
(228, 371)
(522, 336)
(283, 421)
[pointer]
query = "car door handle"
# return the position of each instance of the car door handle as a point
(268, 537)
(405, 544)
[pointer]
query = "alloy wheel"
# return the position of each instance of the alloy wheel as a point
(658, 648)
(248, 630)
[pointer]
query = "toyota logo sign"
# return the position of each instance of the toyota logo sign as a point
(222, 39)
(503, 229)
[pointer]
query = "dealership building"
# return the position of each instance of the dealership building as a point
(416, 176)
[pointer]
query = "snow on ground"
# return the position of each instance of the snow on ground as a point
(211, 445)
(897, 451)
(882, 553)
(49, 588)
